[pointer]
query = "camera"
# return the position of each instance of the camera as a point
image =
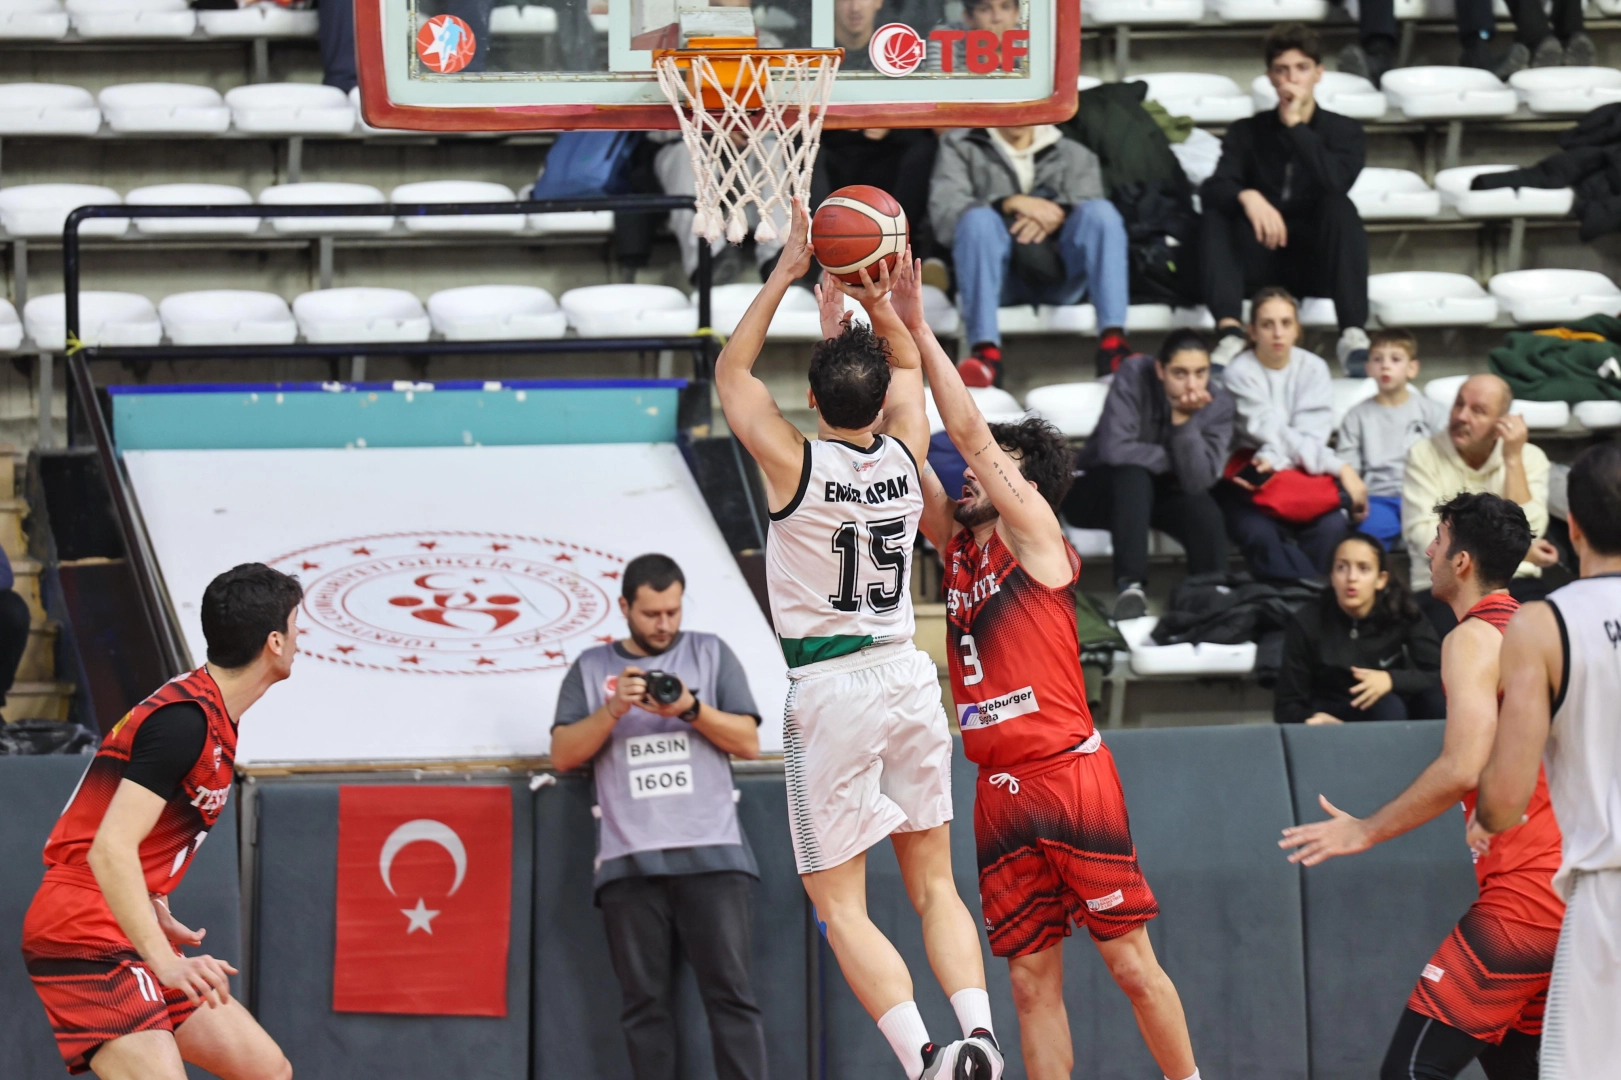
(664, 688)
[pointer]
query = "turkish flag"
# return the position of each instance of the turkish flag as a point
(424, 899)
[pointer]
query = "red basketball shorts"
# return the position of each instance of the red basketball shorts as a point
(1491, 973)
(1054, 848)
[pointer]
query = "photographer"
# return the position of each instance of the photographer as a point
(657, 715)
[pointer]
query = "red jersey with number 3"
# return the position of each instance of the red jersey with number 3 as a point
(1015, 656)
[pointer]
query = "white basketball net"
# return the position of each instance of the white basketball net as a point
(740, 154)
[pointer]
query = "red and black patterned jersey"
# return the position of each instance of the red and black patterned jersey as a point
(191, 811)
(1015, 656)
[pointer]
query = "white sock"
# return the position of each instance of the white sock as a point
(1195, 1076)
(903, 1027)
(973, 1008)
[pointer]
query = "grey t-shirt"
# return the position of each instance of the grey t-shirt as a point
(1375, 438)
(730, 694)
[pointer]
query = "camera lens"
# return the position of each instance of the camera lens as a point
(664, 688)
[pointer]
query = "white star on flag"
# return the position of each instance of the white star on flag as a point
(421, 917)
(447, 36)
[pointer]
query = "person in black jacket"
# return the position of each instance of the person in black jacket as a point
(1277, 209)
(1363, 652)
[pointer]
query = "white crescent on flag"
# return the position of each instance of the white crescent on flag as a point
(436, 832)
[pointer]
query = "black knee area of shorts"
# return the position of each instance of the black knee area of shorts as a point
(1518, 1057)
(1426, 1049)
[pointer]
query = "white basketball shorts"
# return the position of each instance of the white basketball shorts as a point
(867, 752)
(1581, 1031)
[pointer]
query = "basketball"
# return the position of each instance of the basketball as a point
(858, 226)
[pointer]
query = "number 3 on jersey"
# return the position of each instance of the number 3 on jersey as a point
(973, 670)
(889, 560)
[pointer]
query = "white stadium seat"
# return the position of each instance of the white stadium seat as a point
(1203, 658)
(32, 20)
(169, 108)
(227, 317)
(38, 211)
(1346, 94)
(1269, 11)
(1548, 297)
(1073, 408)
(996, 406)
(1393, 194)
(1207, 99)
(1083, 83)
(1429, 298)
(1445, 93)
(291, 109)
(1089, 543)
(458, 191)
(629, 311)
(361, 314)
(1541, 415)
(1453, 184)
(11, 327)
(1348, 394)
(797, 318)
(1140, 12)
(1598, 415)
(496, 313)
(1566, 91)
(367, 129)
(48, 109)
(1063, 319)
(314, 194)
(261, 20)
(522, 20)
(192, 195)
(144, 19)
(1444, 391)
(105, 318)
(573, 222)
(1318, 313)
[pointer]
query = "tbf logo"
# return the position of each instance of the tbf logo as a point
(896, 49)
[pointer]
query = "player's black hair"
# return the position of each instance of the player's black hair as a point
(657, 572)
(242, 608)
(1594, 493)
(1280, 39)
(849, 375)
(1494, 532)
(1045, 458)
(1394, 603)
(1183, 340)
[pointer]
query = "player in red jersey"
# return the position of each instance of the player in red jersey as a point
(100, 944)
(1482, 993)
(1049, 815)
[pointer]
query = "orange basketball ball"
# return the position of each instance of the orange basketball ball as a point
(859, 226)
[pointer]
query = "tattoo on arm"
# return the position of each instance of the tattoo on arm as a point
(1001, 474)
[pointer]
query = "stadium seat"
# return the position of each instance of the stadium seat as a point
(1083, 83)
(1346, 94)
(32, 20)
(47, 108)
(1074, 408)
(1202, 658)
(11, 327)
(458, 191)
(496, 312)
(1444, 391)
(227, 317)
(1140, 12)
(291, 109)
(1453, 184)
(38, 211)
(314, 194)
(1207, 99)
(1269, 11)
(261, 20)
(105, 318)
(367, 129)
(144, 19)
(1318, 313)
(1446, 93)
(1063, 319)
(572, 222)
(192, 195)
(361, 314)
(1566, 91)
(1541, 415)
(629, 311)
(1393, 194)
(1348, 394)
(996, 406)
(1089, 543)
(797, 318)
(168, 108)
(1549, 297)
(1429, 298)
(1598, 415)
(522, 20)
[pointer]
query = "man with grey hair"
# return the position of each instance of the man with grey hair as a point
(1483, 449)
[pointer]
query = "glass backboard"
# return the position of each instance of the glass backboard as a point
(495, 65)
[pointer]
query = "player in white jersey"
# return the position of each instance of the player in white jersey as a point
(866, 740)
(1562, 697)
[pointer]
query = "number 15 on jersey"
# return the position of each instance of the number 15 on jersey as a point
(882, 591)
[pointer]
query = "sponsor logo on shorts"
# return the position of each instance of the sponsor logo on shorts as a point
(982, 714)
(146, 984)
(1433, 973)
(1104, 903)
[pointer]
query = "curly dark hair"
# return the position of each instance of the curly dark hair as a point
(1043, 453)
(244, 606)
(1395, 603)
(849, 375)
(1280, 39)
(1595, 497)
(1494, 532)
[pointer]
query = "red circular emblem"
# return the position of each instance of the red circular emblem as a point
(446, 44)
(453, 603)
(896, 49)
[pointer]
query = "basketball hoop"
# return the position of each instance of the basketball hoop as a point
(752, 121)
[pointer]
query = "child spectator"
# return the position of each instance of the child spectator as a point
(1376, 435)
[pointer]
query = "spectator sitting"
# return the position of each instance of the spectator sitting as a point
(1285, 415)
(1277, 209)
(1376, 435)
(1483, 449)
(1537, 44)
(1158, 450)
(853, 24)
(1363, 652)
(1028, 224)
